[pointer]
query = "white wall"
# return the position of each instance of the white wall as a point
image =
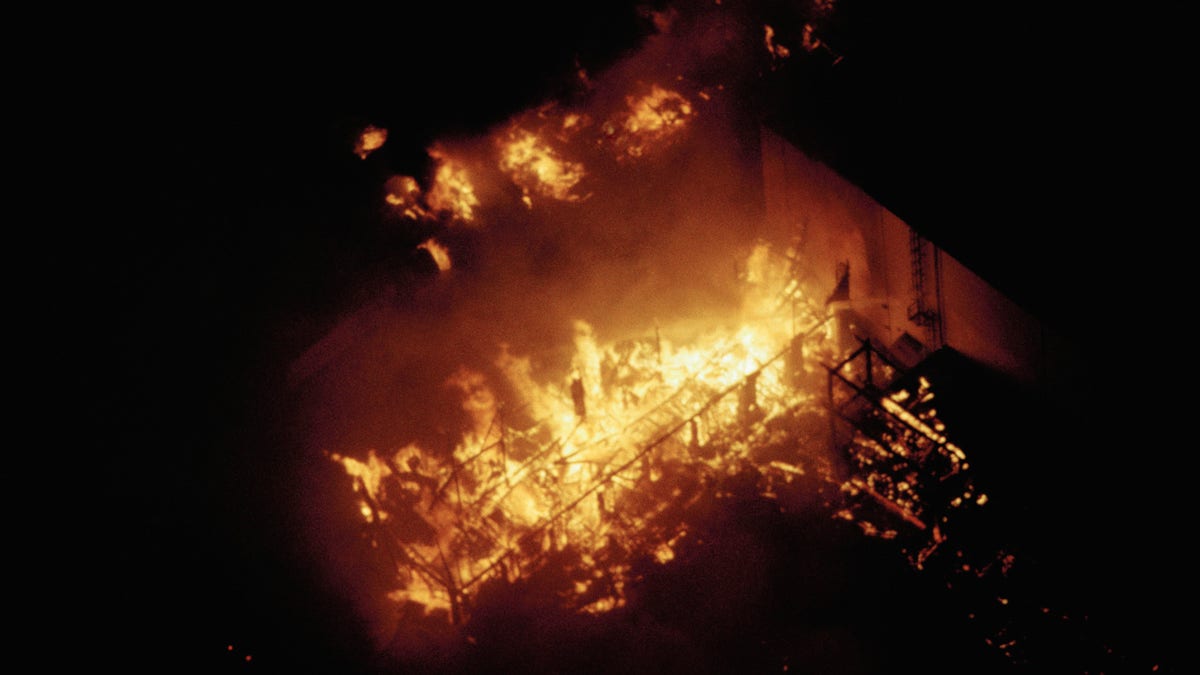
(830, 220)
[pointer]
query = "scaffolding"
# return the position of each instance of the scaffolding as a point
(921, 311)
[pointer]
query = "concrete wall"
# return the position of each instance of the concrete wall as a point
(828, 220)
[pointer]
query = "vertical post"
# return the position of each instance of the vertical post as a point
(870, 369)
(832, 413)
(503, 450)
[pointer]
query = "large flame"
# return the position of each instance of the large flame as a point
(439, 253)
(600, 462)
(575, 475)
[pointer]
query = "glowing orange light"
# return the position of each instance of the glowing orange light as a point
(520, 492)
(439, 253)
(371, 139)
(649, 122)
(776, 50)
(589, 469)
(452, 190)
(404, 194)
(536, 167)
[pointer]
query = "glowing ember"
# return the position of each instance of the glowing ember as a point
(774, 49)
(536, 167)
(452, 191)
(809, 39)
(649, 122)
(439, 253)
(371, 139)
(404, 194)
(902, 461)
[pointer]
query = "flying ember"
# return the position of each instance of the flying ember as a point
(371, 139)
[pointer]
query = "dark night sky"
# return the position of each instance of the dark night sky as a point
(235, 225)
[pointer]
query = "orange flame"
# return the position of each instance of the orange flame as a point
(577, 477)
(452, 191)
(590, 470)
(404, 194)
(536, 167)
(439, 253)
(775, 50)
(649, 121)
(371, 139)
(809, 39)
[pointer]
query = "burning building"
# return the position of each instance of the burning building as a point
(658, 339)
(645, 385)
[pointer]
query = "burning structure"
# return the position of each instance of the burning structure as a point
(641, 315)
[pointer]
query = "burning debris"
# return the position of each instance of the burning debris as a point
(602, 486)
(581, 468)
(588, 475)
(403, 193)
(777, 51)
(439, 253)
(648, 122)
(452, 192)
(371, 139)
(537, 168)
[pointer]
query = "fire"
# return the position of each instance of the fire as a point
(649, 121)
(774, 49)
(824, 8)
(439, 253)
(809, 39)
(904, 454)
(452, 190)
(598, 465)
(595, 453)
(403, 193)
(597, 471)
(452, 193)
(536, 167)
(371, 139)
